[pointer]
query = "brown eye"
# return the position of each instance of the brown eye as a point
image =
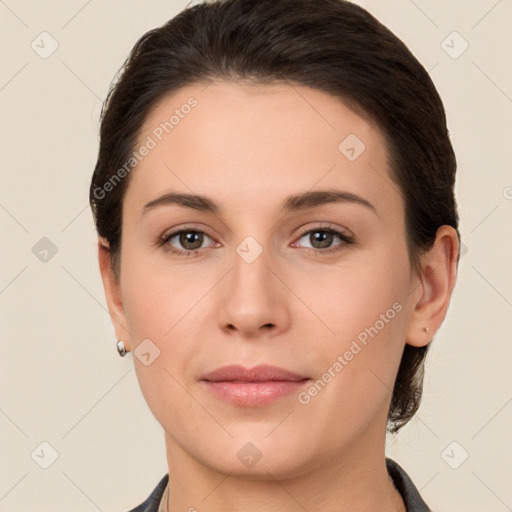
(323, 241)
(191, 240)
(185, 241)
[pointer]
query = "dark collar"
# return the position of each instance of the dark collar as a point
(410, 494)
(153, 501)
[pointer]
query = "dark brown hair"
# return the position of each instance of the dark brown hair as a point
(330, 45)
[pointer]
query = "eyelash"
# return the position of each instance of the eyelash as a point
(346, 241)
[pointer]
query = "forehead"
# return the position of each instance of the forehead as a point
(236, 141)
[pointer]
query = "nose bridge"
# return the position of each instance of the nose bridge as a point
(253, 252)
(251, 277)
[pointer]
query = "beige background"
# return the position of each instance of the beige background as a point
(61, 380)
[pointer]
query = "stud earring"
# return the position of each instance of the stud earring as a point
(121, 349)
(426, 329)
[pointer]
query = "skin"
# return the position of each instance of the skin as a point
(248, 148)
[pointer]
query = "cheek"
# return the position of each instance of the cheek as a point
(170, 306)
(159, 295)
(161, 308)
(361, 315)
(345, 299)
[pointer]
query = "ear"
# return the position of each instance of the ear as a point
(113, 295)
(433, 288)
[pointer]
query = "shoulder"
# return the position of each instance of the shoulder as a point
(410, 494)
(153, 501)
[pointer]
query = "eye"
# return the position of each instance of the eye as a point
(190, 240)
(321, 240)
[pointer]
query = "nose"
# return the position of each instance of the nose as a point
(254, 299)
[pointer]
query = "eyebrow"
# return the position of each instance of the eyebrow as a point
(292, 203)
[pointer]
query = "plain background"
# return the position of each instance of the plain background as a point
(61, 380)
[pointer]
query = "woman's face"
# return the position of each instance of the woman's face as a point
(279, 274)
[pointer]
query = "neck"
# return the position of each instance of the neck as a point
(354, 480)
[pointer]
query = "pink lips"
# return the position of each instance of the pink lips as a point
(259, 385)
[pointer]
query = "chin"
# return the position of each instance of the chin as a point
(258, 457)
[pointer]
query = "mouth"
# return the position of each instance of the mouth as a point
(260, 385)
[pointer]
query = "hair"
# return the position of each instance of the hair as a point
(334, 46)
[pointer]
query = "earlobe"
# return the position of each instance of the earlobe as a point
(433, 294)
(113, 296)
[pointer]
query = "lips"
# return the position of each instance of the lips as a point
(251, 387)
(260, 373)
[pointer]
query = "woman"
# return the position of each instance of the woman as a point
(278, 242)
